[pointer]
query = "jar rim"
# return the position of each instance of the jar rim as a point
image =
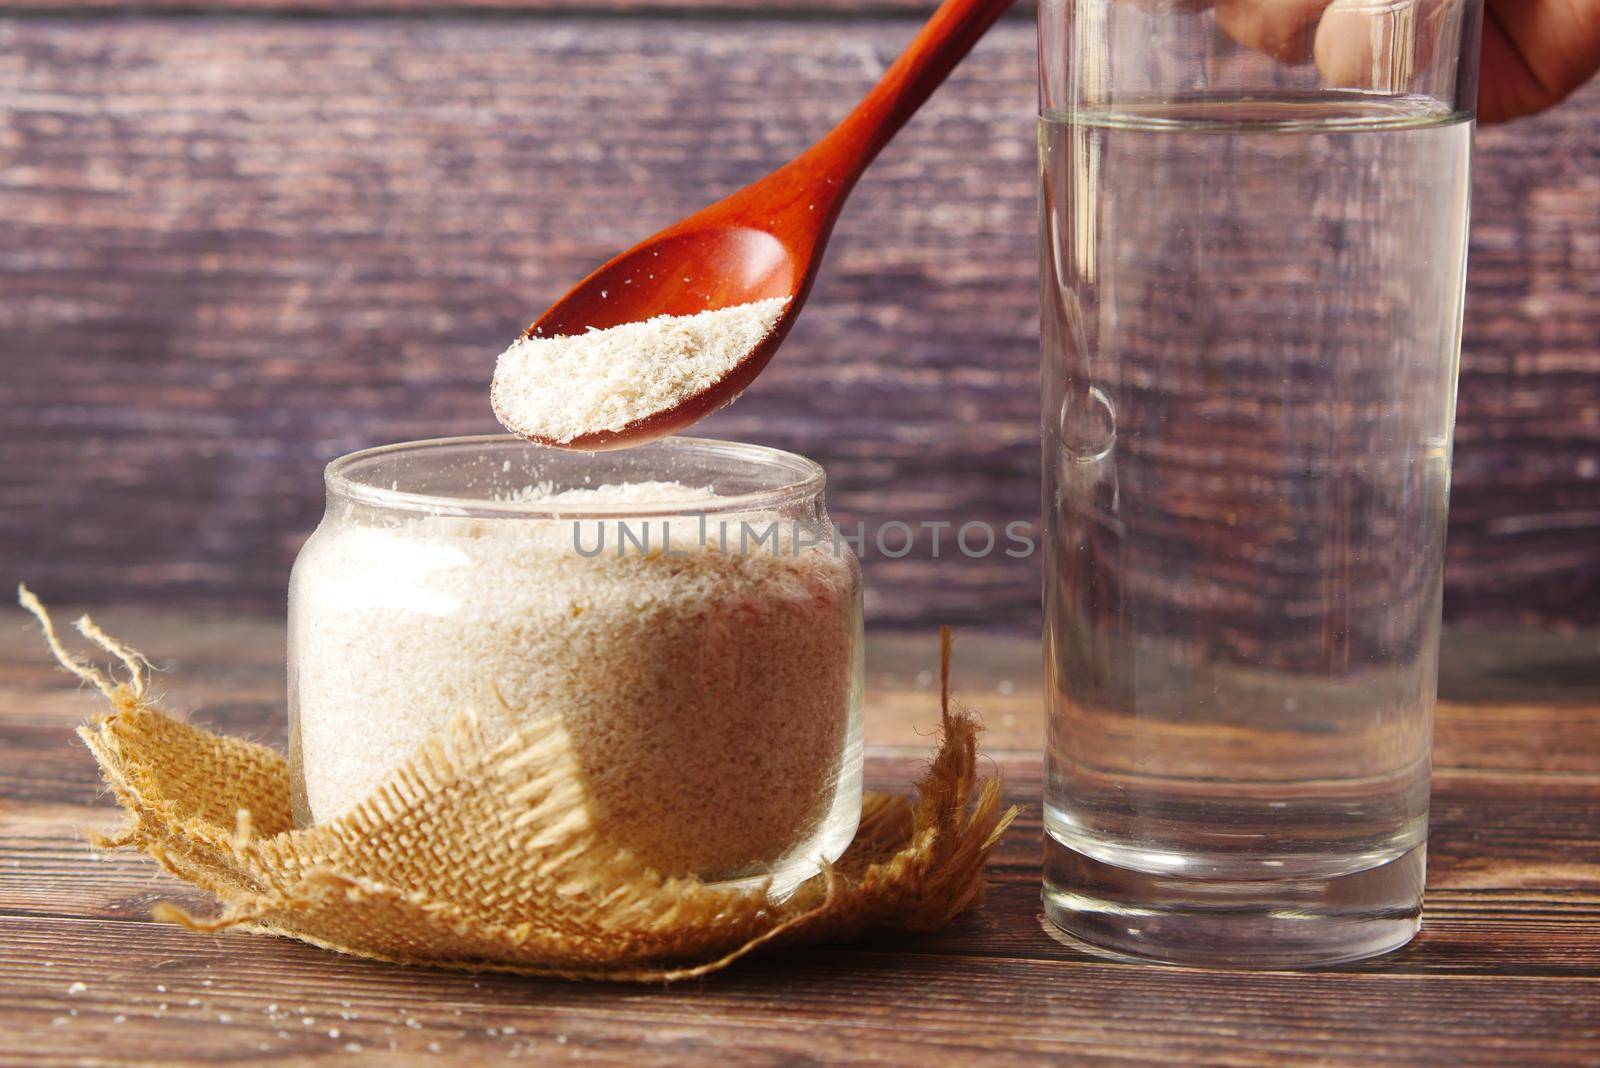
(794, 478)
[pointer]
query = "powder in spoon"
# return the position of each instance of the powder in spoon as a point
(561, 388)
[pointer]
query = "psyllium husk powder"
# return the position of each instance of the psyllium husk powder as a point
(708, 688)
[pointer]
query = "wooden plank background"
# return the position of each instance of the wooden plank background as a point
(240, 237)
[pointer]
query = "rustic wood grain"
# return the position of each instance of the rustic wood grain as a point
(1506, 970)
(1511, 701)
(828, 1006)
(235, 247)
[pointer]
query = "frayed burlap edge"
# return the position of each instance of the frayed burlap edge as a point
(482, 856)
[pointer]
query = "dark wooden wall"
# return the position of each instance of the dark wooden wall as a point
(240, 237)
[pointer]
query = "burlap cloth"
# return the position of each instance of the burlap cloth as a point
(479, 856)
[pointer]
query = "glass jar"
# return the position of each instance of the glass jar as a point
(697, 633)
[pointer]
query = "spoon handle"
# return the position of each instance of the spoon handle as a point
(943, 42)
(803, 197)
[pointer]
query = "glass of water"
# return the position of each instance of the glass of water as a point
(1254, 220)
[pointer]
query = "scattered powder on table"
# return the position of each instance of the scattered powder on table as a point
(707, 696)
(560, 388)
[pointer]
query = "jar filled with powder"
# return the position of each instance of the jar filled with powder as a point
(683, 610)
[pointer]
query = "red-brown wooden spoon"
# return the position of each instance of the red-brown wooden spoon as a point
(767, 239)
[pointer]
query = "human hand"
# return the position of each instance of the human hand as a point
(1535, 52)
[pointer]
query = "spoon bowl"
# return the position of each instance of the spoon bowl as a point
(676, 272)
(681, 271)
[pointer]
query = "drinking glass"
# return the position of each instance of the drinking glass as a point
(1254, 221)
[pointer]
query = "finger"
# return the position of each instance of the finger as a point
(1535, 53)
(1351, 44)
(1385, 45)
(1282, 29)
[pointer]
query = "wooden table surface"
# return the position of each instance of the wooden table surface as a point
(1506, 970)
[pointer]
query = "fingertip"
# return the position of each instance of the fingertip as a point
(1343, 48)
(1282, 29)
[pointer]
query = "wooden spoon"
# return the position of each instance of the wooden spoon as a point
(767, 239)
